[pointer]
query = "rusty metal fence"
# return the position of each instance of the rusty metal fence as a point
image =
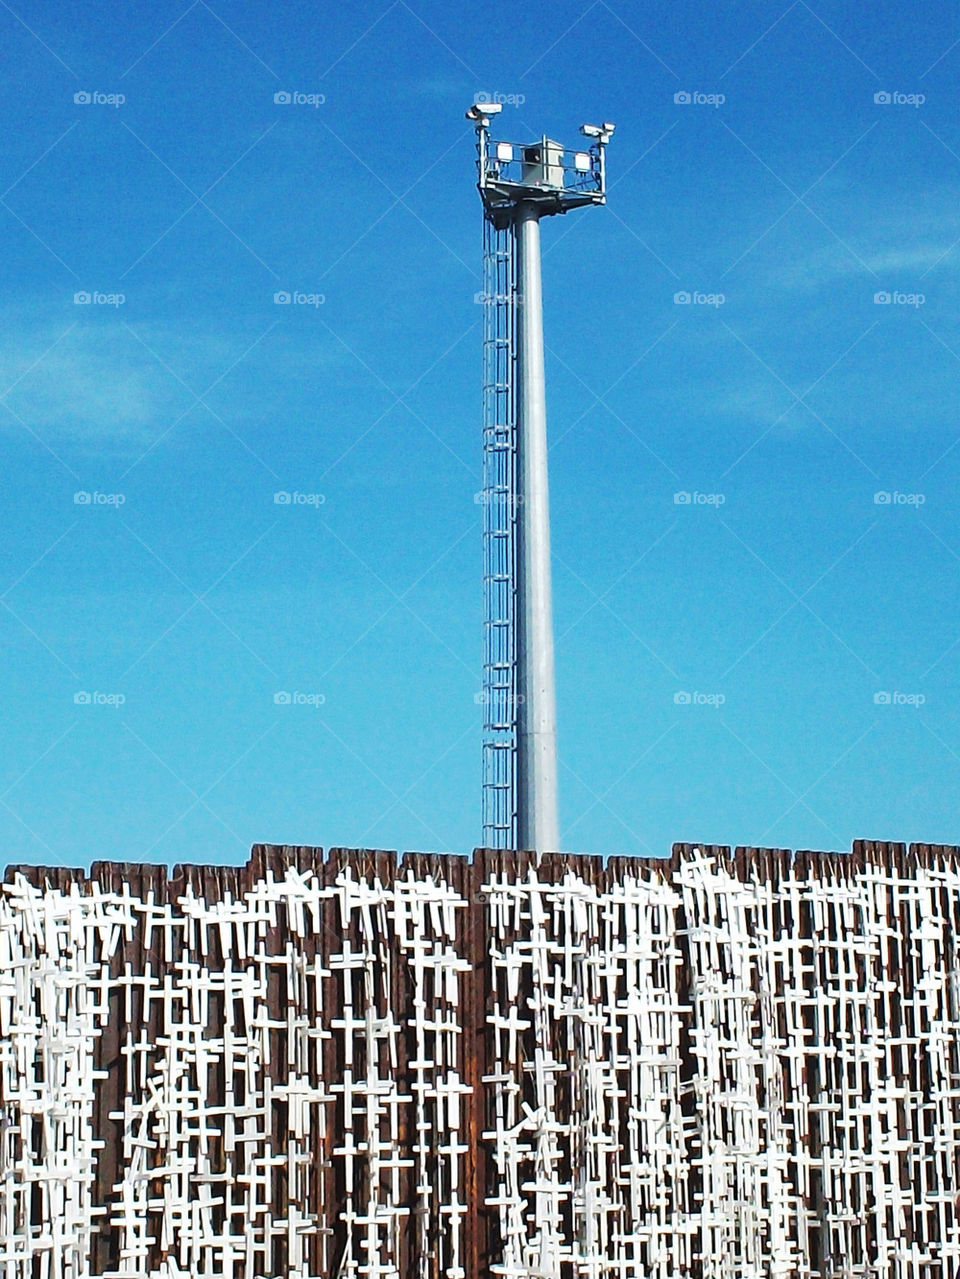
(347, 1065)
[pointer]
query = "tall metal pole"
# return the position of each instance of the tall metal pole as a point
(520, 183)
(537, 825)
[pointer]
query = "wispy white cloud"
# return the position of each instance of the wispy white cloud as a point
(85, 381)
(88, 380)
(895, 264)
(890, 243)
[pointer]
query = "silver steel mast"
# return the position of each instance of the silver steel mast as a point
(519, 184)
(537, 820)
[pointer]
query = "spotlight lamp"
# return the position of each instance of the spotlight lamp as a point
(481, 112)
(602, 132)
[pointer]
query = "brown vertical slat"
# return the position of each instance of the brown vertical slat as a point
(311, 863)
(278, 1071)
(476, 1063)
(332, 1065)
(109, 1097)
(688, 1073)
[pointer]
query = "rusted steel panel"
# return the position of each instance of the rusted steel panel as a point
(728, 1062)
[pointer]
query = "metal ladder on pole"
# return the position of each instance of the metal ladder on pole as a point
(499, 497)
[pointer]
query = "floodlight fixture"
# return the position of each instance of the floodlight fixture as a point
(602, 132)
(480, 112)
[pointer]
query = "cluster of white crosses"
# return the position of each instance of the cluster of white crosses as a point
(235, 1064)
(695, 1071)
(728, 1077)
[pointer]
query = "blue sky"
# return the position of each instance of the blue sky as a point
(721, 663)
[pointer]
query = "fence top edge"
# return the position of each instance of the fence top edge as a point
(214, 881)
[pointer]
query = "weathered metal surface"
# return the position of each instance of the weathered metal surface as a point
(730, 1063)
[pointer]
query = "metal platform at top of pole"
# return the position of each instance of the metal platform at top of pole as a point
(520, 183)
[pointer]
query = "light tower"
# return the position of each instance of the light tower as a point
(519, 184)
